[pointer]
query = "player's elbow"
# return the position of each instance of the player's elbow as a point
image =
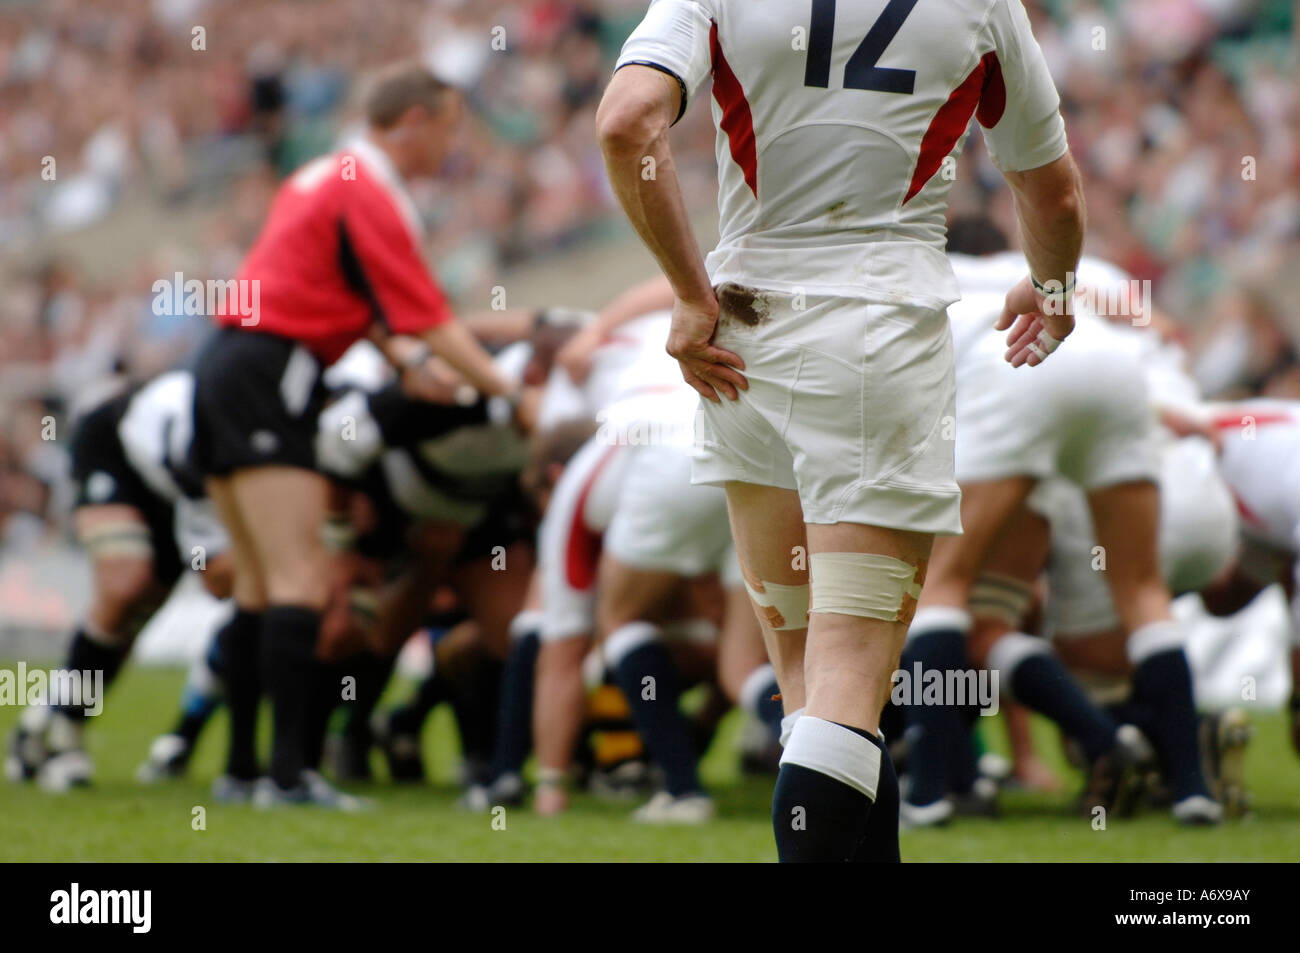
(628, 125)
(1052, 194)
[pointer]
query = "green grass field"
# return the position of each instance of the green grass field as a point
(119, 820)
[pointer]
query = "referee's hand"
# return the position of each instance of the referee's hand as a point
(711, 370)
(1036, 329)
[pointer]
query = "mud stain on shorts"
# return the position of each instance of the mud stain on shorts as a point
(748, 306)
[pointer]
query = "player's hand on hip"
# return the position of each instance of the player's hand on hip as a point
(711, 370)
(1037, 325)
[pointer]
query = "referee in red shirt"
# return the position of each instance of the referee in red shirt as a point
(337, 260)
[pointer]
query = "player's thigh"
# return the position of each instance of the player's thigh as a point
(248, 583)
(1126, 517)
(493, 593)
(1094, 653)
(740, 643)
(1080, 599)
(118, 539)
(626, 593)
(1003, 590)
(986, 508)
(283, 509)
(768, 529)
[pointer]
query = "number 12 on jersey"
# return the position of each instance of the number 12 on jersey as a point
(861, 71)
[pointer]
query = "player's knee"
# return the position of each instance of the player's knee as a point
(123, 583)
(219, 576)
(866, 585)
(997, 605)
(783, 608)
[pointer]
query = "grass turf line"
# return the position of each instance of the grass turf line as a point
(119, 820)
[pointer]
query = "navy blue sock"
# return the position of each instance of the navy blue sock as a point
(1041, 682)
(515, 715)
(238, 649)
(819, 819)
(475, 697)
(934, 731)
(1162, 690)
(658, 719)
(879, 844)
(289, 673)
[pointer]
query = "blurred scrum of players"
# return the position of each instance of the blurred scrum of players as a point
(136, 149)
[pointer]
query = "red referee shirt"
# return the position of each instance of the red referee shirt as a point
(339, 250)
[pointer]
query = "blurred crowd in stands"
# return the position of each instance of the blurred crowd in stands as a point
(1183, 114)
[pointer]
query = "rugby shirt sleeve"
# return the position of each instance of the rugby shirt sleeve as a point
(1028, 132)
(673, 38)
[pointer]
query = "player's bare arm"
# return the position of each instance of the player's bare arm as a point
(653, 294)
(1051, 214)
(632, 123)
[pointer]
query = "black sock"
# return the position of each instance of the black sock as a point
(1041, 682)
(515, 715)
(934, 731)
(325, 695)
(238, 647)
(409, 719)
(879, 844)
(86, 656)
(288, 641)
(372, 672)
(1162, 688)
(659, 720)
(475, 697)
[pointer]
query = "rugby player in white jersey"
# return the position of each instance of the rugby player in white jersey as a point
(823, 354)
(609, 496)
(1260, 459)
(1095, 427)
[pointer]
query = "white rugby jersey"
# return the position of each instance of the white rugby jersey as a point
(631, 358)
(1260, 460)
(156, 432)
(834, 121)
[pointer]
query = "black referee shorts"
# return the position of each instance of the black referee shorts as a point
(256, 400)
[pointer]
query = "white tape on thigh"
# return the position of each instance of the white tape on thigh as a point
(118, 539)
(783, 608)
(866, 585)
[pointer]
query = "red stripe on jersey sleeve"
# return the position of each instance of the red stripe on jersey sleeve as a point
(984, 90)
(737, 121)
